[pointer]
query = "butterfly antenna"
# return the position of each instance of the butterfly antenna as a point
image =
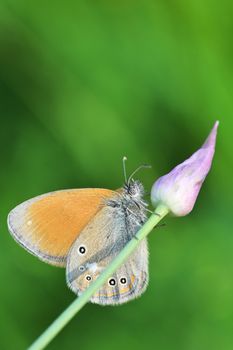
(124, 168)
(135, 171)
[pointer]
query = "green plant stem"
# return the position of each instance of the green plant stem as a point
(71, 310)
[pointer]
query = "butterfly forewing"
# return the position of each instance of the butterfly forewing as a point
(48, 225)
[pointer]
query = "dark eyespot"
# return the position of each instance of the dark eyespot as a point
(123, 280)
(82, 249)
(114, 203)
(112, 282)
(88, 278)
(81, 268)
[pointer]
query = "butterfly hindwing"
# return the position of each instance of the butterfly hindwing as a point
(99, 242)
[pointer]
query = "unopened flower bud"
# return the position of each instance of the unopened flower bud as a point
(178, 190)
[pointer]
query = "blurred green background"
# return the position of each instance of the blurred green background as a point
(83, 83)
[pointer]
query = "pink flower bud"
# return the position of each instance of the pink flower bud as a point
(178, 190)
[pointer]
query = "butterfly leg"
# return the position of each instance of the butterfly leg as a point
(159, 225)
(136, 217)
(152, 212)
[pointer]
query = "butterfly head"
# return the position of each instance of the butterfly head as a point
(134, 189)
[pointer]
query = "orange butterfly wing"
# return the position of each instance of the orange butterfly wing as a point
(47, 225)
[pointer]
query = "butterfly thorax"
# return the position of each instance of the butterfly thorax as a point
(129, 203)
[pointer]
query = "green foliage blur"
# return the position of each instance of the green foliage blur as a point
(83, 83)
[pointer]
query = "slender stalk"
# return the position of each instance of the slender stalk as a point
(71, 310)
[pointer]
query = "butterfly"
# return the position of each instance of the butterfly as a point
(83, 230)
